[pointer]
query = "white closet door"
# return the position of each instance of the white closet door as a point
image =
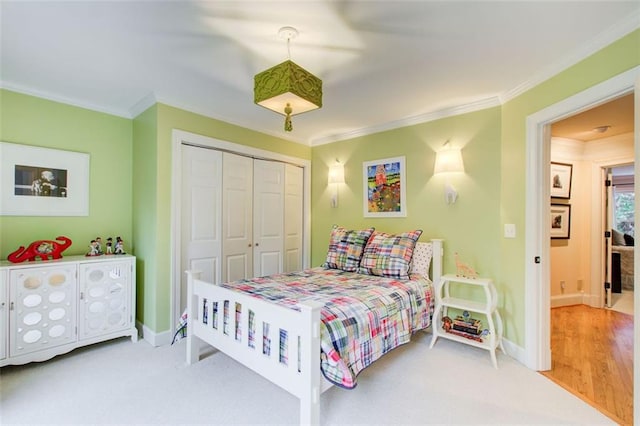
(237, 217)
(268, 217)
(201, 215)
(293, 187)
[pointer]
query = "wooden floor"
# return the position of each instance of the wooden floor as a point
(592, 357)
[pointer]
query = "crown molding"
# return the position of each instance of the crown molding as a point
(62, 99)
(602, 40)
(411, 121)
(142, 105)
(612, 34)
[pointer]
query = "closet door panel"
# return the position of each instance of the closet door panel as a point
(237, 217)
(293, 207)
(201, 215)
(268, 217)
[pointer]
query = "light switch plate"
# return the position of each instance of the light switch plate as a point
(509, 230)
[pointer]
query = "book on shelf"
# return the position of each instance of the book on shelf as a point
(465, 329)
(467, 325)
(470, 336)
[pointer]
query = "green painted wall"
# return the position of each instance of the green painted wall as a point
(620, 56)
(107, 139)
(469, 227)
(144, 212)
(152, 218)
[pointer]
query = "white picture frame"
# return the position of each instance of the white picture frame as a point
(37, 181)
(384, 188)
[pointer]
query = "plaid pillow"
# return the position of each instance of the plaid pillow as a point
(389, 255)
(345, 248)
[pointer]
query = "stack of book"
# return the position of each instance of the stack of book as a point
(469, 328)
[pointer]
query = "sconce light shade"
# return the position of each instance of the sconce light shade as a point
(287, 89)
(336, 173)
(449, 161)
(336, 176)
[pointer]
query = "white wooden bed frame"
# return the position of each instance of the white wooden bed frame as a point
(303, 330)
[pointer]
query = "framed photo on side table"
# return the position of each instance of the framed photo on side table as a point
(560, 221)
(561, 180)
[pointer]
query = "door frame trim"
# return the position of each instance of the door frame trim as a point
(537, 276)
(180, 137)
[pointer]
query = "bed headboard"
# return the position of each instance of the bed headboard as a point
(436, 263)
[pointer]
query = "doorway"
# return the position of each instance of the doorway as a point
(537, 220)
(591, 344)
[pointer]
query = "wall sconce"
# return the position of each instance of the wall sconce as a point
(336, 177)
(448, 161)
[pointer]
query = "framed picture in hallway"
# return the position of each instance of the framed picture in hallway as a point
(561, 180)
(560, 221)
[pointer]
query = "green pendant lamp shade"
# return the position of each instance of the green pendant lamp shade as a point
(287, 88)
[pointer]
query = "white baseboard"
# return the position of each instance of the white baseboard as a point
(154, 339)
(514, 351)
(569, 299)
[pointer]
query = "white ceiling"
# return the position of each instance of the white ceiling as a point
(384, 64)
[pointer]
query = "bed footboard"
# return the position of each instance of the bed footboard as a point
(280, 344)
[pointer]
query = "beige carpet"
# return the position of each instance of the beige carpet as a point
(121, 382)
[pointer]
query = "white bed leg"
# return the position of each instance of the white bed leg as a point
(193, 342)
(310, 399)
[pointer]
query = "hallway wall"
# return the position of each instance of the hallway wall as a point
(572, 259)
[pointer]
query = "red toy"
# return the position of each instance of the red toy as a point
(42, 249)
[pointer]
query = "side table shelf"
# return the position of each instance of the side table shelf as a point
(488, 308)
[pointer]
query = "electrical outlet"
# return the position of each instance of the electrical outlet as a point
(562, 285)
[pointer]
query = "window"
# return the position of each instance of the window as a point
(624, 200)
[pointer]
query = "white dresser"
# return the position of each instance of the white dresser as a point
(48, 308)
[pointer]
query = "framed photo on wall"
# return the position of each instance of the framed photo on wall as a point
(37, 181)
(384, 188)
(560, 221)
(561, 180)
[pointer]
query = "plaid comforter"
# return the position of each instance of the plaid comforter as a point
(363, 318)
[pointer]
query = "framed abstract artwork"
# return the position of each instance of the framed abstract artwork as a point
(384, 188)
(37, 181)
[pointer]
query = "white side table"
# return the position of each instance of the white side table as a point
(488, 308)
